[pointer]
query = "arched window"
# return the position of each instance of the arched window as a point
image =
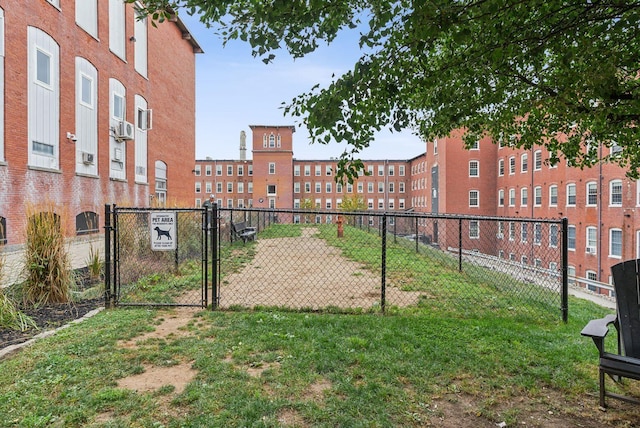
(87, 223)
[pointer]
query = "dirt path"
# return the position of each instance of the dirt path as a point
(305, 272)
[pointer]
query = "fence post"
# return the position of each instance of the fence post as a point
(205, 254)
(383, 289)
(415, 230)
(214, 257)
(460, 245)
(176, 256)
(565, 270)
(107, 255)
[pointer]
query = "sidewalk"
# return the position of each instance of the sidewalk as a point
(78, 250)
(604, 301)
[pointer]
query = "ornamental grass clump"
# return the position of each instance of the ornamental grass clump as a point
(10, 316)
(48, 275)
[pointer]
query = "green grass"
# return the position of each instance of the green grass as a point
(327, 369)
(377, 370)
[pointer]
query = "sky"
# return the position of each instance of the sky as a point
(235, 90)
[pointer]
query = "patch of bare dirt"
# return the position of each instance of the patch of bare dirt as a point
(315, 278)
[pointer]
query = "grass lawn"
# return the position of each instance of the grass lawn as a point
(430, 365)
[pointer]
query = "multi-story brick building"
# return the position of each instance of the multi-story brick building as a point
(600, 204)
(79, 81)
(275, 179)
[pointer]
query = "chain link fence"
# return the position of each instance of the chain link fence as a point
(372, 261)
(162, 263)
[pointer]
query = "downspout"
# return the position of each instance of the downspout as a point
(600, 178)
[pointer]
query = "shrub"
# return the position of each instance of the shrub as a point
(47, 267)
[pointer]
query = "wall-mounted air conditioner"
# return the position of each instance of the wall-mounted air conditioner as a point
(87, 158)
(125, 130)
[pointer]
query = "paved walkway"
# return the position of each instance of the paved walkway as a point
(79, 251)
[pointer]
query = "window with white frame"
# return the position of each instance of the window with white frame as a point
(117, 33)
(296, 187)
(474, 168)
(250, 170)
(615, 193)
(307, 187)
(208, 187)
(571, 273)
(571, 237)
(380, 186)
(537, 160)
(360, 188)
(198, 187)
(553, 195)
(318, 170)
(401, 187)
(391, 171)
(392, 187)
(296, 170)
(318, 187)
(512, 197)
(553, 235)
(537, 233)
(500, 234)
(615, 243)
(272, 168)
(474, 198)
(524, 196)
(512, 231)
(474, 229)
(327, 170)
(592, 194)
(381, 170)
(271, 190)
(197, 171)
(524, 232)
(219, 170)
(240, 187)
(370, 204)
(524, 162)
(401, 170)
(475, 145)
(401, 204)
(307, 170)
(230, 187)
(501, 167)
(370, 187)
(571, 194)
(87, 16)
(229, 170)
(592, 240)
(369, 169)
(328, 187)
(501, 197)
(240, 170)
(512, 165)
(219, 187)
(537, 196)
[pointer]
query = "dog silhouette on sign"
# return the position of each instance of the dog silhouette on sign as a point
(160, 233)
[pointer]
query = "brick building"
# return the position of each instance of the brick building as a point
(274, 178)
(487, 180)
(97, 107)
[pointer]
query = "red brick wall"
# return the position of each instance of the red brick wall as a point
(169, 91)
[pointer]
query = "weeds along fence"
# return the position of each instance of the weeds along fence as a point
(155, 256)
(370, 261)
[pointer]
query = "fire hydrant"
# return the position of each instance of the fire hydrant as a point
(340, 228)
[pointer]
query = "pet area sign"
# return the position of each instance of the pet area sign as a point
(163, 231)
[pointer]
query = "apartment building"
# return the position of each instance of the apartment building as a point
(96, 107)
(274, 178)
(600, 203)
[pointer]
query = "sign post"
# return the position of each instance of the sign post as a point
(163, 231)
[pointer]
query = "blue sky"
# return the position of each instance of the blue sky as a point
(235, 90)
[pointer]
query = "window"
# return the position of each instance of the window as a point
(571, 194)
(512, 197)
(140, 46)
(615, 243)
(524, 162)
(296, 187)
(43, 67)
(197, 171)
(591, 240)
(537, 233)
(474, 168)
(307, 170)
(524, 232)
(229, 170)
(272, 140)
(370, 170)
(615, 193)
(318, 187)
(327, 187)
(500, 233)
(537, 196)
(380, 186)
(380, 170)
(537, 160)
(271, 190)
(198, 187)
(219, 170)
(512, 231)
(380, 204)
(207, 187)
(318, 170)
(360, 188)
(475, 145)
(592, 193)
(501, 167)
(571, 273)
(87, 16)
(86, 223)
(272, 168)
(86, 117)
(401, 170)
(512, 165)
(230, 187)
(307, 187)
(240, 187)
(553, 195)
(327, 170)
(391, 171)
(474, 229)
(250, 170)
(240, 170)
(474, 197)
(524, 196)
(207, 170)
(296, 170)
(370, 187)
(501, 198)
(553, 235)
(401, 187)
(392, 187)
(571, 238)
(219, 187)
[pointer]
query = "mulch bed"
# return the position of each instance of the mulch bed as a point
(49, 317)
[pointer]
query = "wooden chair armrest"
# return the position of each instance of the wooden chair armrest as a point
(600, 327)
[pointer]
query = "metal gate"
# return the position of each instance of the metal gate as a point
(157, 257)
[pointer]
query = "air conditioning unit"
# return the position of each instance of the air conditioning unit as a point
(125, 130)
(499, 235)
(87, 158)
(591, 250)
